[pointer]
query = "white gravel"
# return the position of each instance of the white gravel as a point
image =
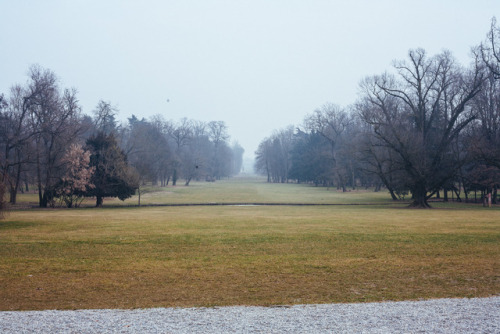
(477, 315)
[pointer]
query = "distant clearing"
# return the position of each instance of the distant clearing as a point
(246, 255)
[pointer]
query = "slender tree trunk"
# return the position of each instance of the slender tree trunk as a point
(393, 195)
(174, 178)
(139, 193)
(13, 195)
(2, 201)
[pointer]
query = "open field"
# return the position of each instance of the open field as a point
(246, 255)
(239, 189)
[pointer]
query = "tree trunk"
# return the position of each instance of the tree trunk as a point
(13, 195)
(393, 195)
(45, 200)
(139, 193)
(174, 178)
(99, 200)
(419, 197)
(15, 187)
(39, 181)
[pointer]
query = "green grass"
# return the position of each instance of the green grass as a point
(238, 190)
(254, 255)
(254, 190)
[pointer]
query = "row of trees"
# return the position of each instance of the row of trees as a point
(47, 142)
(427, 126)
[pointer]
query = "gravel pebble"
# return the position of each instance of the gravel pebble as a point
(476, 315)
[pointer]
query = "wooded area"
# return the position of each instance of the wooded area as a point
(47, 142)
(428, 126)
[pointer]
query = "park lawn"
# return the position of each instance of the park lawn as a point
(245, 255)
(235, 190)
(256, 190)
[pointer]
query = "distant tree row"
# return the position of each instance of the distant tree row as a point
(48, 144)
(430, 125)
(164, 151)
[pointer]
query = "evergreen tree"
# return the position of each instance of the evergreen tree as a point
(112, 176)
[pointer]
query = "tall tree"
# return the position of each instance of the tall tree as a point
(15, 139)
(490, 49)
(181, 134)
(147, 150)
(419, 113)
(217, 132)
(3, 105)
(332, 123)
(262, 164)
(195, 156)
(55, 120)
(311, 159)
(273, 156)
(105, 117)
(237, 161)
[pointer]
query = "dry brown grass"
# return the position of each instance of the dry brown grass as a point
(204, 256)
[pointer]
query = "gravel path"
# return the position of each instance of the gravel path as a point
(477, 315)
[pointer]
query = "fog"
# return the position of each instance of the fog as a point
(256, 65)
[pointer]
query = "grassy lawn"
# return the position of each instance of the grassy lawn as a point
(239, 189)
(246, 255)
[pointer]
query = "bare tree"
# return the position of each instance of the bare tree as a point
(273, 156)
(105, 117)
(263, 157)
(147, 150)
(195, 156)
(181, 134)
(15, 140)
(54, 119)
(420, 115)
(3, 120)
(332, 123)
(217, 133)
(237, 161)
(490, 49)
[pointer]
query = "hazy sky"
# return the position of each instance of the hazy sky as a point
(257, 65)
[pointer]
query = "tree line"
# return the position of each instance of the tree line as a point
(49, 145)
(428, 126)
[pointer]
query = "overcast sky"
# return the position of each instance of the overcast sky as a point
(256, 65)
